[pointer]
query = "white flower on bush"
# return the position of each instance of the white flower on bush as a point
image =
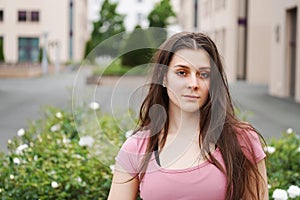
(94, 105)
(86, 141)
(1, 190)
(289, 131)
(55, 128)
(54, 184)
(112, 168)
(280, 194)
(66, 140)
(35, 158)
(21, 132)
(52, 172)
(79, 180)
(17, 161)
(128, 133)
(269, 186)
(12, 177)
(293, 191)
(58, 115)
(21, 148)
(9, 141)
(270, 149)
(298, 149)
(78, 157)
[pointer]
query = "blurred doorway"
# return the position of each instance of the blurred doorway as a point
(291, 38)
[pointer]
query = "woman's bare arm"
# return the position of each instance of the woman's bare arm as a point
(263, 184)
(123, 186)
(263, 172)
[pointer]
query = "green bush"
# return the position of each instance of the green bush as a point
(50, 159)
(41, 55)
(137, 49)
(117, 69)
(283, 164)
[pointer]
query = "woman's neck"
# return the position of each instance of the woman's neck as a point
(184, 124)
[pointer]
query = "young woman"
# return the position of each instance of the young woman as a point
(189, 144)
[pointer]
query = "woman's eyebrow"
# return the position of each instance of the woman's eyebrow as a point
(187, 67)
(182, 66)
(203, 68)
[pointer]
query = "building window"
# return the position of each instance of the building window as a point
(35, 16)
(1, 15)
(22, 16)
(28, 49)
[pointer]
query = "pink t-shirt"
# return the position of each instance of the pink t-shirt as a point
(204, 181)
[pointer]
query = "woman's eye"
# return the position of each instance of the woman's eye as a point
(204, 75)
(181, 73)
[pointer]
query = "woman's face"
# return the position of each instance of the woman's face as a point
(187, 80)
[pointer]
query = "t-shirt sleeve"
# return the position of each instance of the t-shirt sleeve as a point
(132, 153)
(127, 158)
(251, 145)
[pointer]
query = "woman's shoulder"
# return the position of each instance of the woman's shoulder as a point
(131, 152)
(137, 142)
(246, 133)
(250, 141)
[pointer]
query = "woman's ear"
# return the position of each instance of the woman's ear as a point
(164, 83)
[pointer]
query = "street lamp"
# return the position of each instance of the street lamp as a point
(56, 45)
(44, 58)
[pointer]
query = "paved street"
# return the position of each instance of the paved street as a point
(270, 115)
(21, 100)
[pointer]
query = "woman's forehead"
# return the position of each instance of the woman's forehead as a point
(189, 57)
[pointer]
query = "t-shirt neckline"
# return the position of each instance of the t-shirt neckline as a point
(215, 153)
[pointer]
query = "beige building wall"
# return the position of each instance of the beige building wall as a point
(53, 19)
(262, 51)
(285, 82)
(81, 33)
(259, 40)
(186, 15)
(241, 30)
(218, 19)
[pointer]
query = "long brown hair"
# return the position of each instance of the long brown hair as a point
(218, 122)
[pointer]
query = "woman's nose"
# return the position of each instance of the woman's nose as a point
(193, 82)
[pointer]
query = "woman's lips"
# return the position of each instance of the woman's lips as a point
(194, 97)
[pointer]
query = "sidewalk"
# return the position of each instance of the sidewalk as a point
(271, 115)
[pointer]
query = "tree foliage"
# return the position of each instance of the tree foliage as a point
(160, 17)
(161, 13)
(137, 48)
(110, 23)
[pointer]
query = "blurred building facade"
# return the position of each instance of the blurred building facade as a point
(136, 12)
(26, 26)
(285, 49)
(259, 40)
